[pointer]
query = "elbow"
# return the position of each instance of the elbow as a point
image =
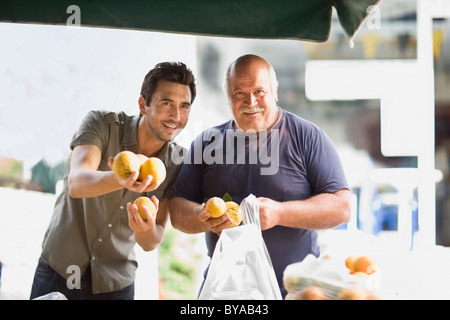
(73, 193)
(342, 217)
(345, 206)
(73, 190)
(174, 219)
(346, 211)
(346, 216)
(175, 222)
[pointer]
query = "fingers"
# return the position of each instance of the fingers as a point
(132, 210)
(203, 216)
(135, 220)
(133, 213)
(132, 178)
(152, 186)
(215, 224)
(133, 184)
(146, 185)
(155, 200)
(110, 162)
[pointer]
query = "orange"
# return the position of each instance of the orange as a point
(155, 167)
(350, 262)
(234, 213)
(215, 206)
(145, 201)
(142, 157)
(292, 282)
(359, 273)
(372, 296)
(372, 269)
(362, 263)
(352, 293)
(313, 292)
(125, 162)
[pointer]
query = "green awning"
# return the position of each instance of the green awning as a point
(265, 19)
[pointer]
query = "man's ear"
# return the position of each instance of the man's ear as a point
(142, 104)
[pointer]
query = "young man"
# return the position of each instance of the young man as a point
(88, 249)
(288, 163)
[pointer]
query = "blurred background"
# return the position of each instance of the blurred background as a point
(50, 76)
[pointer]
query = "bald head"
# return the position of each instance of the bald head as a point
(244, 64)
(251, 87)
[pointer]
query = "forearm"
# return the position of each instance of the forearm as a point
(84, 183)
(320, 212)
(184, 215)
(150, 239)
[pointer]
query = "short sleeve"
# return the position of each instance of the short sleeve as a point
(189, 180)
(93, 130)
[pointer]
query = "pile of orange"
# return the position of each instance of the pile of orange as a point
(126, 162)
(361, 265)
(217, 207)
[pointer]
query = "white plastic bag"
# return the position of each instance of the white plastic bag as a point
(240, 266)
(56, 295)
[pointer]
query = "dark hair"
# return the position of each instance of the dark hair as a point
(170, 71)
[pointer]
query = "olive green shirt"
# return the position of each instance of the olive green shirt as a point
(95, 231)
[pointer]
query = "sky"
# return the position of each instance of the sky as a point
(50, 76)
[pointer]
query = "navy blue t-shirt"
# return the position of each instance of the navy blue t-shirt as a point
(293, 160)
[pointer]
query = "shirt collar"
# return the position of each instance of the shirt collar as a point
(131, 140)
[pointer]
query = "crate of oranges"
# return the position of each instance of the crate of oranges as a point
(353, 278)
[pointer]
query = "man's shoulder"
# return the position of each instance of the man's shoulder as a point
(298, 121)
(218, 128)
(107, 114)
(107, 118)
(173, 145)
(210, 132)
(174, 154)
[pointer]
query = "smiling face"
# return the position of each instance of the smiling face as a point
(167, 113)
(252, 94)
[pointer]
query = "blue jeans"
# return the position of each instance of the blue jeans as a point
(47, 280)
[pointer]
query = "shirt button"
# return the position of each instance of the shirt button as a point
(109, 225)
(121, 207)
(93, 258)
(100, 240)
